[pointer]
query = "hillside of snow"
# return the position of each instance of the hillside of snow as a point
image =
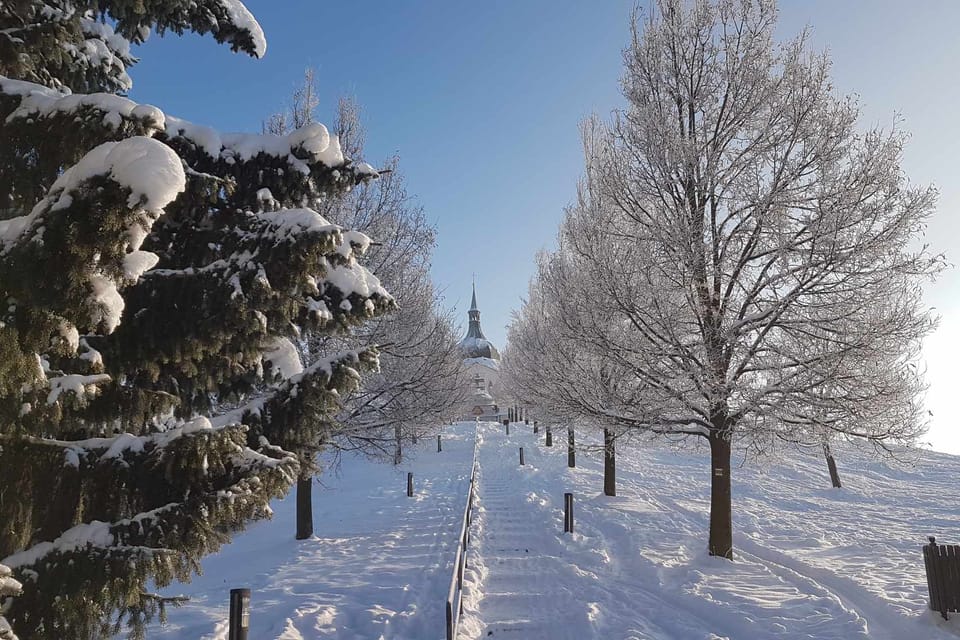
(811, 561)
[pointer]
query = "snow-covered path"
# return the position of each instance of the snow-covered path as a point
(378, 567)
(811, 562)
(527, 581)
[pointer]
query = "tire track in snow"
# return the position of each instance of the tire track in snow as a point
(867, 617)
(637, 567)
(827, 611)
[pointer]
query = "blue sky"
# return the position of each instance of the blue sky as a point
(482, 101)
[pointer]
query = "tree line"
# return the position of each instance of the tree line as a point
(743, 263)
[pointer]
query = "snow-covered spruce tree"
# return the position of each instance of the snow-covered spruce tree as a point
(420, 382)
(745, 254)
(153, 273)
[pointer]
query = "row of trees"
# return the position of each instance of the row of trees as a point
(186, 318)
(741, 265)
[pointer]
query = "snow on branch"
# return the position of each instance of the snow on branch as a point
(8, 587)
(309, 145)
(150, 170)
(151, 175)
(40, 102)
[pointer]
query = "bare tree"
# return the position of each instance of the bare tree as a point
(741, 252)
(549, 366)
(421, 379)
(419, 385)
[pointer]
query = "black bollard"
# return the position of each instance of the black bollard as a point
(239, 623)
(410, 484)
(521, 456)
(568, 513)
(549, 437)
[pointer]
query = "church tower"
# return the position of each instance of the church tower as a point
(475, 344)
(482, 361)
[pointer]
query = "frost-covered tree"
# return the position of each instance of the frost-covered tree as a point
(420, 382)
(154, 274)
(549, 366)
(742, 252)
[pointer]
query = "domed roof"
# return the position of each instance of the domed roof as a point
(475, 344)
(473, 347)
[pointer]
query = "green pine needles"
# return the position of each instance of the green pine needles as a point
(155, 278)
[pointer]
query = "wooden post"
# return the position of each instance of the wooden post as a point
(508, 428)
(521, 456)
(536, 427)
(568, 513)
(410, 484)
(439, 446)
(609, 464)
(571, 451)
(239, 623)
(549, 437)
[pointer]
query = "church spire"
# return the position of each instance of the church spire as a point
(475, 344)
(474, 330)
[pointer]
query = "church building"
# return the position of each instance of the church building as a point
(482, 361)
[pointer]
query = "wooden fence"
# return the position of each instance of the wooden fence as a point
(942, 562)
(455, 594)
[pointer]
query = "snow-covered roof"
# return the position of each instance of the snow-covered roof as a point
(478, 348)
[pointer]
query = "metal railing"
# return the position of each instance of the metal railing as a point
(455, 593)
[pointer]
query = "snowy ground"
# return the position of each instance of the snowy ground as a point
(378, 566)
(811, 561)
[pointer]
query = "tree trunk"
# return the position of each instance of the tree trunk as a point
(721, 512)
(571, 451)
(398, 450)
(831, 465)
(304, 508)
(609, 464)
